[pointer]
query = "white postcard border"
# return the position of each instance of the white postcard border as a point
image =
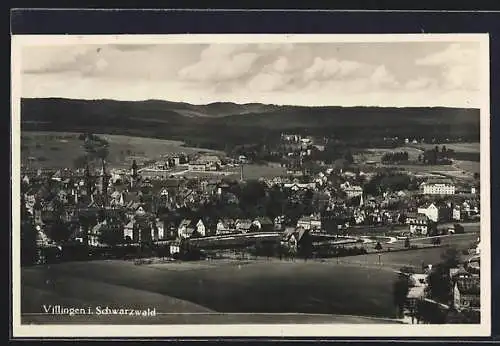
(251, 330)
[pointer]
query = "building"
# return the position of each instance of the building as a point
(263, 224)
(157, 230)
(351, 190)
(299, 186)
(197, 166)
(418, 223)
(243, 225)
(431, 211)
(438, 187)
(205, 163)
(225, 226)
(312, 222)
(466, 293)
(128, 231)
(417, 290)
(187, 228)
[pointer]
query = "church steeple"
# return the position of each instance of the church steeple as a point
(134, 174)
(134, 169)
(104, 180)
(88, 180)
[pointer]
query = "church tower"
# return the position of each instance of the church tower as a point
(88, 180)
(104, 182)
(134, 174)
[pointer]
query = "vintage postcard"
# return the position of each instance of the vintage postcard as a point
(250, 185)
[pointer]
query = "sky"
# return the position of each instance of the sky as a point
(386, 74)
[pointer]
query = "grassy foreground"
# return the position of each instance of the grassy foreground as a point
(227, 287)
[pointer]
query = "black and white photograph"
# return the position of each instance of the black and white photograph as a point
(218, 184)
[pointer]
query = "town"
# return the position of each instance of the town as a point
(202, 206)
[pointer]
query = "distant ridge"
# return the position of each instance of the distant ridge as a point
(240, 122)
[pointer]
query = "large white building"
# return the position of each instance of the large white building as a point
(439, 187)
(431, 211)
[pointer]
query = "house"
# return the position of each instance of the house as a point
(243, 225)
(353, 191)
(279, 222)
(299, 186)
(95, 234)
(200, 228)
(438, 187)
(417, 289)
(456, 213)
(197, 166)
(263, 224)
(430, 210)
(205, 163)
(157, 230)
(140, 210)
(312, 222)
(289, 239)
(30, 200)
(418, 223)
(466, 293)
(188, 227)
(185, 229)
(225, 226)
(128, 231)
(174, 248)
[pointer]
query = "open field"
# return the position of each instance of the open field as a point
(296, 287)
(473, 147)
(60, 149)
(468, 166)
(206, 291)
(375, 154)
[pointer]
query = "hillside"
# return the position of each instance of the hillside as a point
(230, 122)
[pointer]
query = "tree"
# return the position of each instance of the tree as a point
(430, 312)
(58, 231)
(110, 236)
(407, 242)
(305, 245)
(400, 290)
(253, 228)
(436, 241)
(459, 229)
(439, 281)
(28, 242)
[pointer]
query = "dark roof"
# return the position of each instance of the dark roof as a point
(264, 220)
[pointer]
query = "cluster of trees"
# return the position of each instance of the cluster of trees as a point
(333, 151)
(439, 282)
(395, 157)
(436, 156)
(389, 181)
(339, 251)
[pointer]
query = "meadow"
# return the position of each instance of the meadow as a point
(60, 149)
(232, 287)
(469, 147)
(355, 286)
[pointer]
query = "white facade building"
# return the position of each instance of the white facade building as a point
(438, 188)
(431, 211)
